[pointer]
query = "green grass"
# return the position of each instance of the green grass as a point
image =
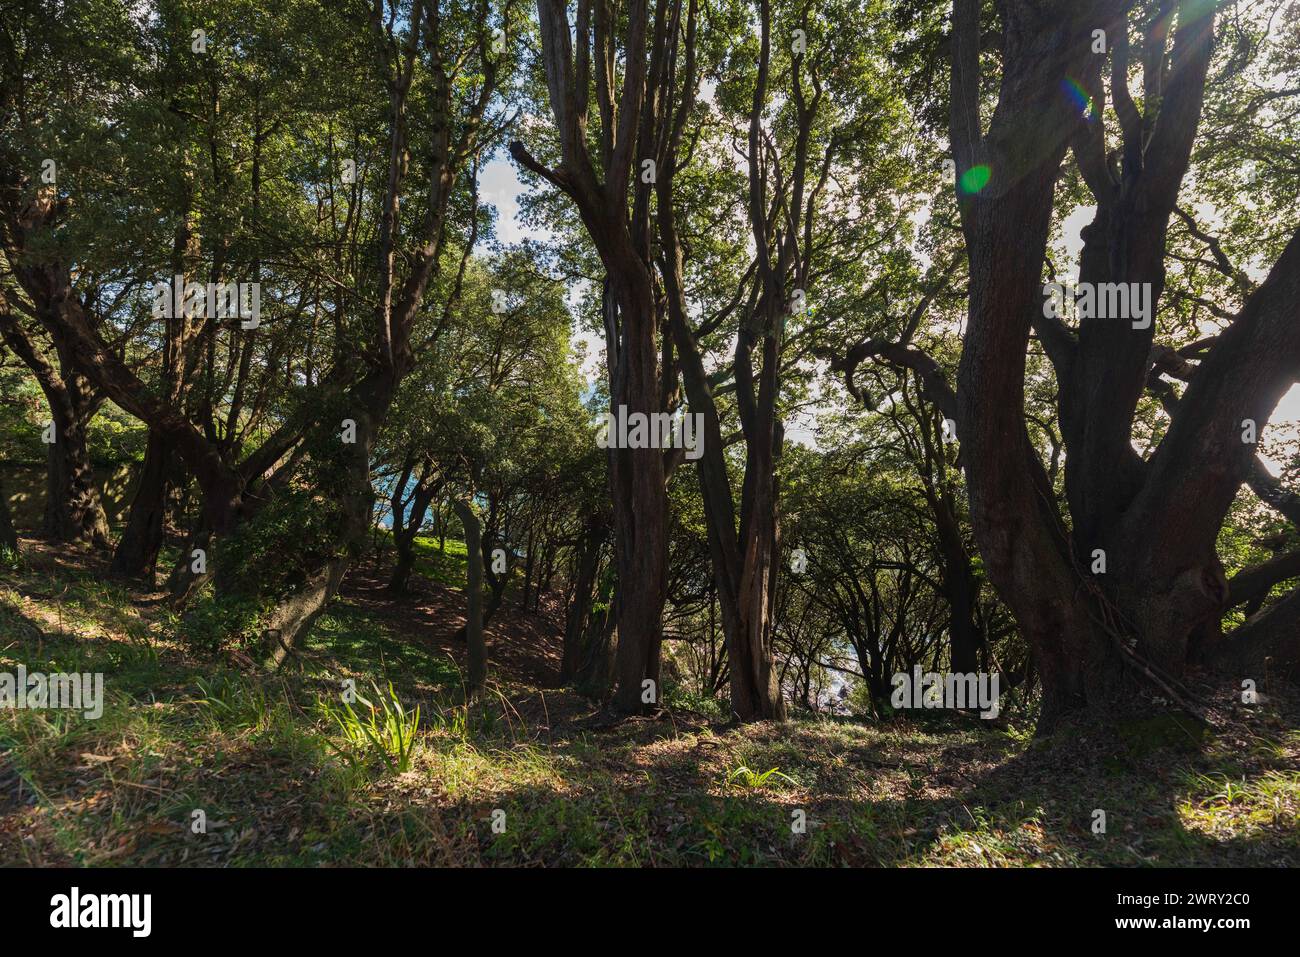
(348, 644)
(444, 567)
(523, 779)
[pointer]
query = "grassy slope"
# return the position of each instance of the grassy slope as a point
(279, 783)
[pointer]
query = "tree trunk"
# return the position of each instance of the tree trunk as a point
(578, 614)
(745, 563)
(1013, 512)
(744, 566)
(755, 691)
(616, 216)
(595, 673)
(404, 538)
(294, 617)
(397, 502)
(399, 581)
(637, 489)
(8, 537)
(756, 695)
(964, 638)
(530, 556)
(182, 581)
(474, 595)
(959, 586)
(73, 511)
(1267, 645)
(137, 550)
(1157, 519)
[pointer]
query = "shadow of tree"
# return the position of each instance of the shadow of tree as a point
(971, 803)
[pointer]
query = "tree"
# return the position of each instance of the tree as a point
(73, 511)
(45, 236)
(8, 537)
(630, 122)
(1155, 519)
(474, 590)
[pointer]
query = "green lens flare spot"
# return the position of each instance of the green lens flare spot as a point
(975, 179)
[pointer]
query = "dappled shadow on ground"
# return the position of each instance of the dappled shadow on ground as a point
(652, 793)
(62, 558)
(521, 645)
(70, 587)
(566, 785)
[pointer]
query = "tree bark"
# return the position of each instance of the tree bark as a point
(293, 618)
(137, 550)
(474, 596)
(630, 120)
(744, 561)
(579, 613)
(8, 536)
(1013, 514)
(639, 497)
(960, 589)
(1267, 645)
(406, 526)
(595, 672)
(73, 510)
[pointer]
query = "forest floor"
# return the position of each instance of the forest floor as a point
(282, 776)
